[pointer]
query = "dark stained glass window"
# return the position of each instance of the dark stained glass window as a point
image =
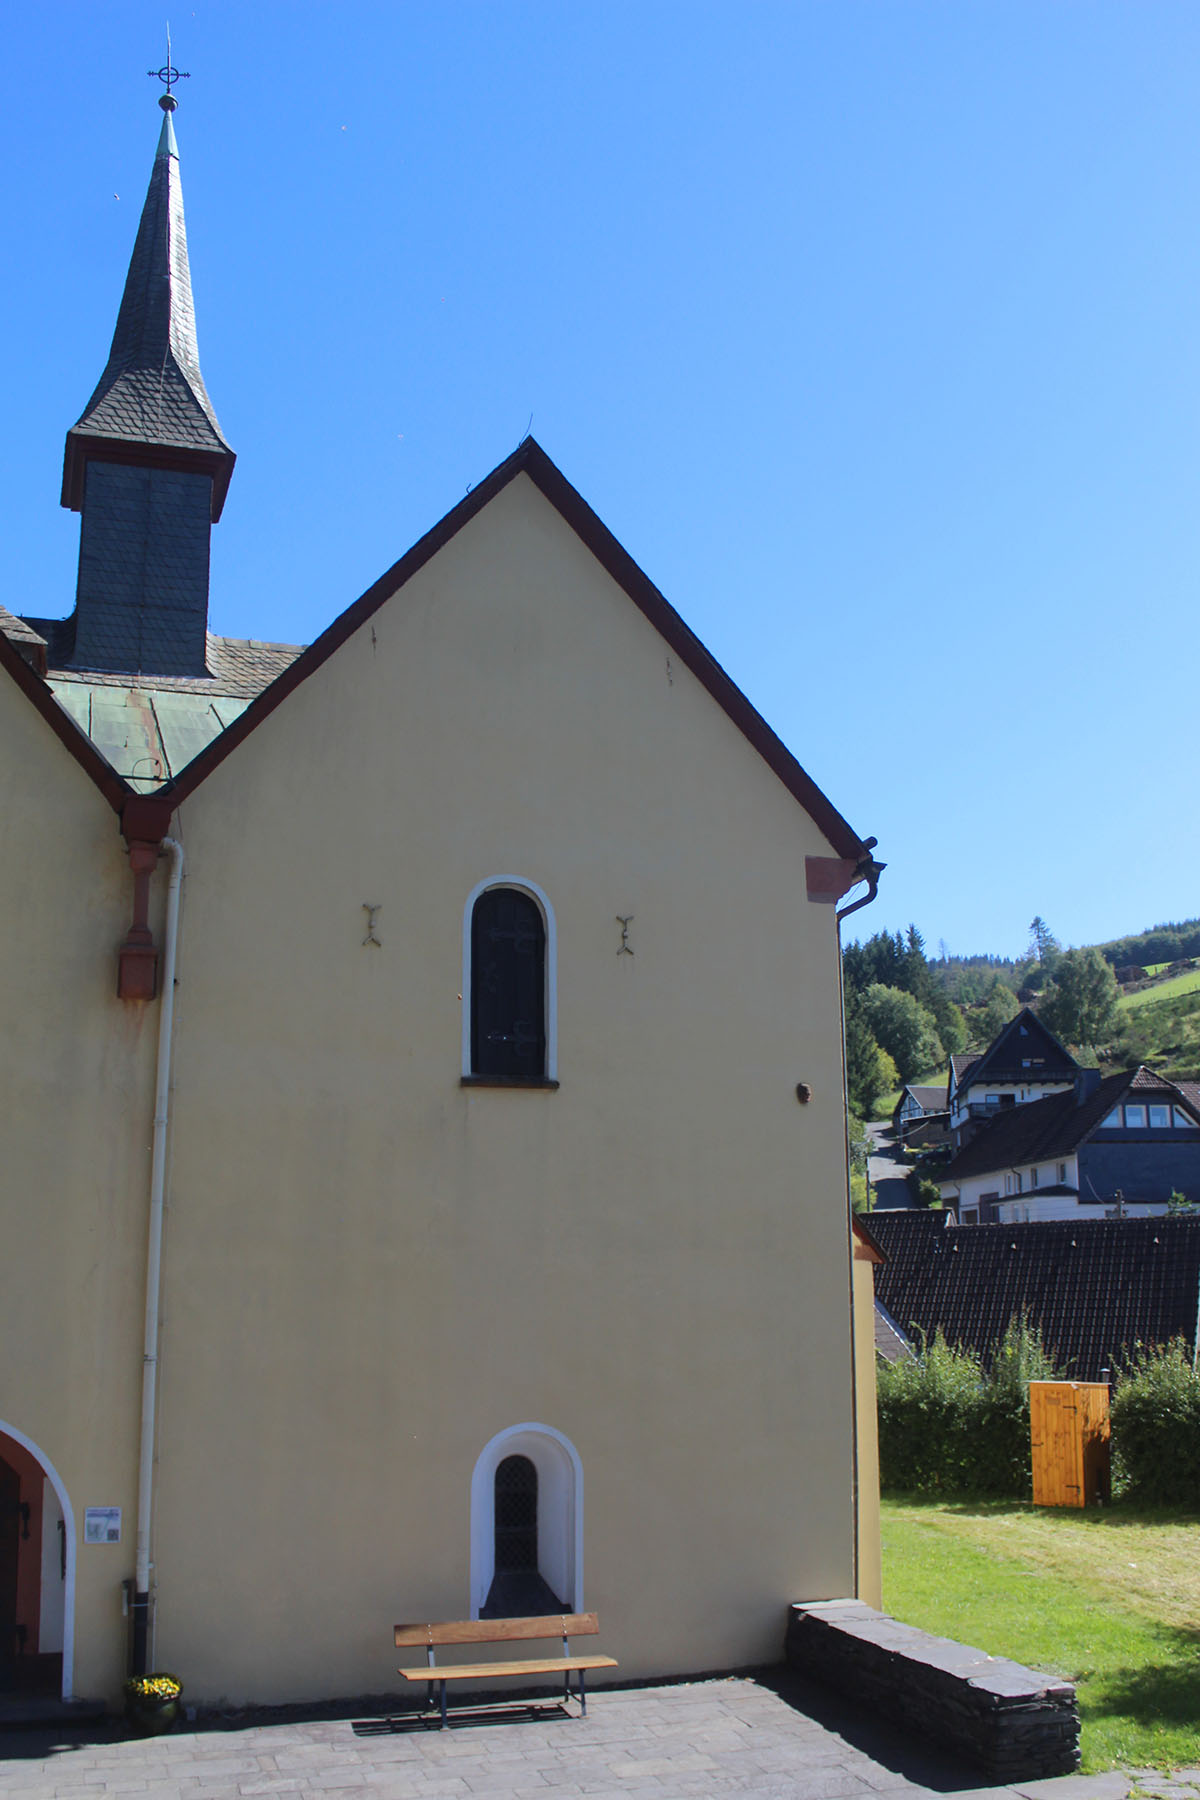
(508, 986)
(516, 1515)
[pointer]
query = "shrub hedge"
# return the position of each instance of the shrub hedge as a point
(1156, 1428)
(950, 1423)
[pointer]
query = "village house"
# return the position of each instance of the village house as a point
(425, 1174)
(1023, 1062)
(1118, 1146)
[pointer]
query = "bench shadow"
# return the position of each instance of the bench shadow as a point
(906, 1754)
(486, 1712)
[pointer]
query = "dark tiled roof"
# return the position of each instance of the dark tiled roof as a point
(1043, 1129)
(960, 1068)
(1093, 1288)
(152, 392)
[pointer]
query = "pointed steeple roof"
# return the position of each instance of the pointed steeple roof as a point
(151, 406)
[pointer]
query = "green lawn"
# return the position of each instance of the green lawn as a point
(1165, 990)
(1110, 1599)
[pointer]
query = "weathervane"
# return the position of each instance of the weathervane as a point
(169, 75)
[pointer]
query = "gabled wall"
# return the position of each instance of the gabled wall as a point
(371, 1270)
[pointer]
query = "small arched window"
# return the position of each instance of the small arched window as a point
(508, 986)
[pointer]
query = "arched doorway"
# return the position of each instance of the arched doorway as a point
(37, 1571)
(527, 1525)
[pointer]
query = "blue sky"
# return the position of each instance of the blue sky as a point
(869, 329)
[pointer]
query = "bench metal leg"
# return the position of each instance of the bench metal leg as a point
(443, 1688)
(583, 1693)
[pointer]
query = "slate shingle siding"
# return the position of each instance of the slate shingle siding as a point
(142, 600)
(1093, 1288)
(1147, 1169)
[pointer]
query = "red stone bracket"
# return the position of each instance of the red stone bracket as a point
(144, 823)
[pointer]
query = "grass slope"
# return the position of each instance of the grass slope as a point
(1163, 990)
(1110, 1599)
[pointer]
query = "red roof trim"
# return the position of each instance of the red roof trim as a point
(530, 459)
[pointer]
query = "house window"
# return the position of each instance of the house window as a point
(1135, 1118)
(508, 976)
(1020, 1182)
(1062, 1172)
(1033, 1178)
(1113, 1121)
(1183, 1121)
(1160, 1118)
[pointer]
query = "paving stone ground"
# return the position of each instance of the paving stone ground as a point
(774, 1737)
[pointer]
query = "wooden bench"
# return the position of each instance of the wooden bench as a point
(504, 1631)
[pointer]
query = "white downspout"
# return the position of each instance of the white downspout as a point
(158, 1178)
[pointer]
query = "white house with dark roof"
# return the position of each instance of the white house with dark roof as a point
(1118, 1146)
(1024, 1062)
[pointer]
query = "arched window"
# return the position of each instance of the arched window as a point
(526, 1525)
(508, 986)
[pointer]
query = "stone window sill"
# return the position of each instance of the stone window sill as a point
(506, 1081)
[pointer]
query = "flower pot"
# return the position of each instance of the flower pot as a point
(150, 1717)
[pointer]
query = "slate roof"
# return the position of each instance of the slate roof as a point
(152, 394)
(19, 631)
(930, 1098)
(1044, 1129)
(960, 1068)
(1093, 1288)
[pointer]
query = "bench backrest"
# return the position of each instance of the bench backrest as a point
(498, 1631)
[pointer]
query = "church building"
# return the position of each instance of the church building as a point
(425, 1175)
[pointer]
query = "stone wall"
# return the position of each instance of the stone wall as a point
(1017, 1724)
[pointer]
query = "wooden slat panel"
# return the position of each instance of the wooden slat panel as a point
(498, 1631)
(550, 1665)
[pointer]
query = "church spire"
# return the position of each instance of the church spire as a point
(147, 464)
(151, 406)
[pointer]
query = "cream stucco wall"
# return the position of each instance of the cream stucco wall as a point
(369, 1269)
(76, 1071)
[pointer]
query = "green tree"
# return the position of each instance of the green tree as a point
(914, 975)
(999, 1007)
(1079, 1003)
(870, 1072)
(951, 1026)
(904, 1028)
(1043, 945)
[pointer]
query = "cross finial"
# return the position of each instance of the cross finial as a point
(169, 75)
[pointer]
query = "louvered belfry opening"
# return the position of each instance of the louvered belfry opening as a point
(508, 986)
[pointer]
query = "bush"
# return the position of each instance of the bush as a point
(1156, 1428)
(949, 1424)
